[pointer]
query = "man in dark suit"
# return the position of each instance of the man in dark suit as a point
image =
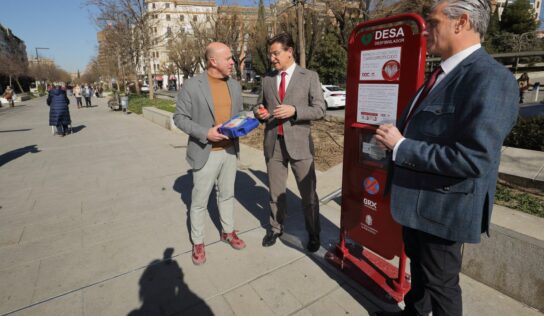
(290, 99)
(446, 151)
(205, 102)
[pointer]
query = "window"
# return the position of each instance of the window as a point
(168, 31)
(208, 18)
(155, 30)
(182, 17)
(168, 17)
(153, 6)
(195, 18)
(167, 5)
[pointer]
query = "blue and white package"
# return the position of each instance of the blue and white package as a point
(239, 125)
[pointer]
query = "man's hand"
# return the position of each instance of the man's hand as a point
(284, 111)
(388, 135)
(262, 113)
(214, 135)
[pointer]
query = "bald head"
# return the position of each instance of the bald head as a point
(213, 49)
(219, 60)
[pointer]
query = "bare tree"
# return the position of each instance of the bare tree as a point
(132, 33)
(184, 53)
(14, 66)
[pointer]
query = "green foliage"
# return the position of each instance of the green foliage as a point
(258, 45)
(330, 60)
(518, 18)
(136, 102)
(527, 134)
(521, 201)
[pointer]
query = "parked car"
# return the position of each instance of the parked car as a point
(144, 88)
(334, 96)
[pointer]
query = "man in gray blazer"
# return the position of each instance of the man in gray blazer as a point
(205, 102)
(290, 99)
(446, 151)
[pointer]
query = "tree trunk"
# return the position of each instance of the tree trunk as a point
(19, 84)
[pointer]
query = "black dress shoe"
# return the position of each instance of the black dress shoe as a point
(313, 244)
(270, 238)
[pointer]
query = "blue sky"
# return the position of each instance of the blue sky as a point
(64, 26)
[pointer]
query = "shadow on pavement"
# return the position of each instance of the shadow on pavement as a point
(76, 129)
(163, 291)
(16, 130)
(16, 153)
(295, 236)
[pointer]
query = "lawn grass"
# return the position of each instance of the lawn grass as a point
(519, 200)
(136, 102)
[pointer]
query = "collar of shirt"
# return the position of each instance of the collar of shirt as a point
(449, 64)
(288, 77)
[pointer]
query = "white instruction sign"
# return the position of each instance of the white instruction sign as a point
(380, 64)
(377, 103)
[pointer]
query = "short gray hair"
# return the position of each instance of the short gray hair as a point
(478, 11)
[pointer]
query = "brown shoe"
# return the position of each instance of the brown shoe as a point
(233, 240)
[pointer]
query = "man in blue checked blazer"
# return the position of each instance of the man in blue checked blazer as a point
(446, 151)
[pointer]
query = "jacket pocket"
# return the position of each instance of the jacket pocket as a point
(435, 120)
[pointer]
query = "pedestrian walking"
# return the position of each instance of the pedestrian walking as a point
(446, 150)
(77, 94)
(523, 84)
(87, 94)
(59, 113)
(9, 95)
(211, 99)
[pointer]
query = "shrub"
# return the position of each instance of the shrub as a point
(527, 134)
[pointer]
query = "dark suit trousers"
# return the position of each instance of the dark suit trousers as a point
(435, 264)
(304, 172)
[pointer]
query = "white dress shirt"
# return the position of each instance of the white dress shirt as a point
(447, 66)
(288, 77)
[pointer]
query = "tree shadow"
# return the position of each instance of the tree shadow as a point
(16, 153)
(16, 130)
(164, 292)
(77, 129)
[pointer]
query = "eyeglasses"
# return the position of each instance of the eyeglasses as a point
(275, 53)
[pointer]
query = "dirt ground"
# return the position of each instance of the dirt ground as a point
(328, 141)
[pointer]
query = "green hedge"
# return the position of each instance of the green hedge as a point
(136, 102)
(527, 134)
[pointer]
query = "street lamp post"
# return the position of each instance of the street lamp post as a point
(38, 56)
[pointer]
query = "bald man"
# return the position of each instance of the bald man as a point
(205, 102)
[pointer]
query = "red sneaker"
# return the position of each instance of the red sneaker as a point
(199, 255)
(233, 240)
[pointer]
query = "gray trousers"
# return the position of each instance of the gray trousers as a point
(219, 170)
(304, 172)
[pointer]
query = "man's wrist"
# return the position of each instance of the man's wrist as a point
(396, 147)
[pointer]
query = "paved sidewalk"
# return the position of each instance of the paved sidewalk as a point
(95, 223)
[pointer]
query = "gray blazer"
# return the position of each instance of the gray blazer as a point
(445, 172)
(195, 116)
(304, 92)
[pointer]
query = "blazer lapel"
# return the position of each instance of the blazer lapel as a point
(451, 77)
(233, 98)
(273, 86)
(205, 88)
(298, 74)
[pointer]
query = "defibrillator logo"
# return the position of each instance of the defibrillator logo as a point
(370, 204)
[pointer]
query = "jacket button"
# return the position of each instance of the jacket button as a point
(446, 188)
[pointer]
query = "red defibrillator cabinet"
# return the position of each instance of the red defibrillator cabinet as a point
(386, 65)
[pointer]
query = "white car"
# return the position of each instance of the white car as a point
(144, 88)
(334, 96)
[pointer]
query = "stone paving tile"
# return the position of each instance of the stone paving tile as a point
(17, 284)
(245, 301)
(71, 304)
(276, 296)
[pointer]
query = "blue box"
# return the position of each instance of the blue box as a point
(239, 125)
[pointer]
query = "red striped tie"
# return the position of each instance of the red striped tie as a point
(281, 93)
(428, 86)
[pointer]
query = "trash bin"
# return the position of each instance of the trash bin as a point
(124, 103)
